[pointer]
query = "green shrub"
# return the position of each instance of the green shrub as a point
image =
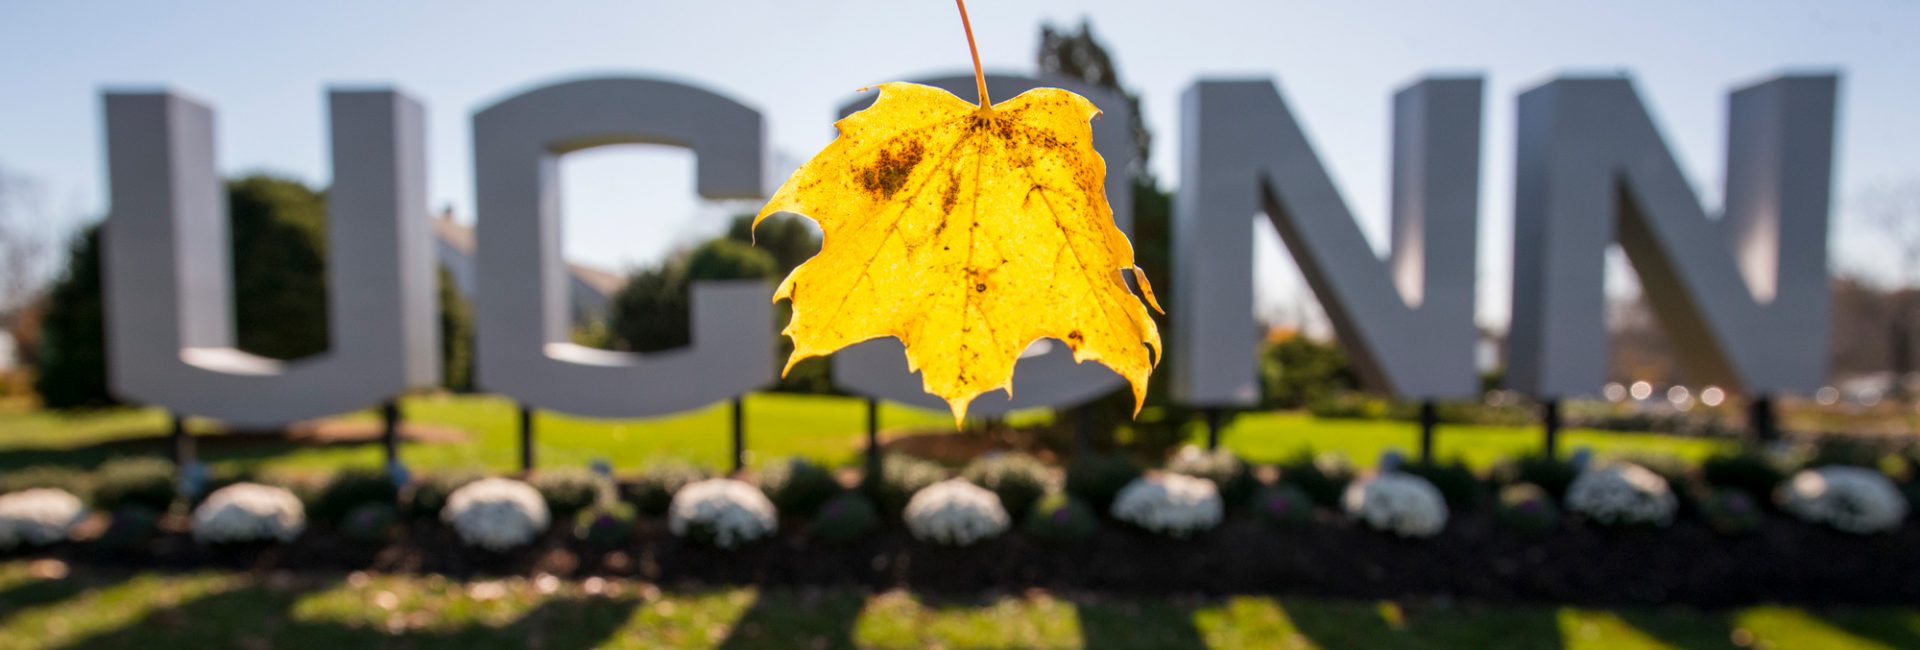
(1457, 482)
(1323, 477)
(1355, 406)
(72, 480)
(1527, 508)
(1846, 450)
(570, 490)
(1097, 478)
(1549, 473)
(1060, 518)
(1730, 511)
(1298, 371)
(900, 477)
(846, 517)
(428, 495)
(348, 490)
(1227, 471)
(1750, 472)
(605, 526)
(1017, 478)
(798, 487)
(369, 522)
(1283, 505)
(144, 482)
(129, 528)
(650, 312)
(652, 491)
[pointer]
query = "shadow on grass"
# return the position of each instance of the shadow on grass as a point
(258, 616)
(1357, 624)
(1158, 623)
(1897, 629)
(1687, 629)
(36, 592)
(803, 619)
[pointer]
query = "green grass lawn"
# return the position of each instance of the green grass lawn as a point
(829, 429)
(106, 609)
(1269, 437)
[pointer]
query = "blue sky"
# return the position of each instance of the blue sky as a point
(265, 66)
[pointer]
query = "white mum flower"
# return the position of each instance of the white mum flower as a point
(956, 513)
(724, 511)
(496, 513)
(1396, 502)
(1622, 493)
(1172, 504)
(38, 517)
(1853, 499)
(249, 512)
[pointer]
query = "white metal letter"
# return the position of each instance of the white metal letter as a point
(1744, 297)
(1408, 323)
(522, 304)
(169, 273)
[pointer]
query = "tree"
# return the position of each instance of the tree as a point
(279, 261)
(72, 370)
(456, 334)
(790, 239)
(1892, 212)
(1080, 56)
(23, 244)
(652, 312)
(1296, 371)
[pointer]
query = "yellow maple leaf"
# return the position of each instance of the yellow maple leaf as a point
(968, 232)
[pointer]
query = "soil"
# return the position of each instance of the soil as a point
(1783, 561)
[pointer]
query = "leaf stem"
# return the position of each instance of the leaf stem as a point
(979, 77)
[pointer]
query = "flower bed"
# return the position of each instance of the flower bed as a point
(1398, 537)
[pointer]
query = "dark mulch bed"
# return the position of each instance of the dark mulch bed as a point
(1784, 561)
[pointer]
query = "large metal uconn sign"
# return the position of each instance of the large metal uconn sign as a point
(1745, 295)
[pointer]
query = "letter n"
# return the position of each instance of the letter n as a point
(1407, 322)
(1744, 297)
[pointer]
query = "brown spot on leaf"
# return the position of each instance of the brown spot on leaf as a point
(888, 174)
(951, 197)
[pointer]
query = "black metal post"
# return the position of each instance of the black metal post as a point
(873, 442)
(1550, 422)
(1761, 417)
(739, 434)
(1429, 420)
(526, 438)
(1213, 428)
(182, 444)
(390, 431)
